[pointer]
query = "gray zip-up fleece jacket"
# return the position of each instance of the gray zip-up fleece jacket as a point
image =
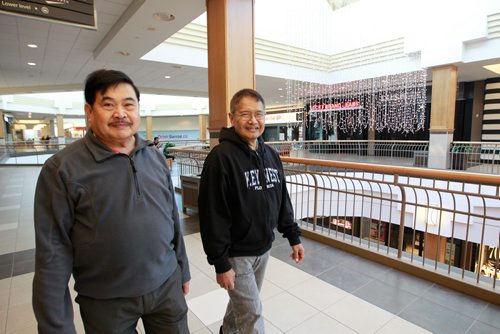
(110, 220)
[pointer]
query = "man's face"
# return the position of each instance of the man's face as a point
(248, 120)
(114, 118)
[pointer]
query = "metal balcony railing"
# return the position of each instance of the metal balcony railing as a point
(440, 225)
(437, 224)
(481, 157)
(391, 152)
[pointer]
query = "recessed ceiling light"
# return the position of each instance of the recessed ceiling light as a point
(31, 64)
(280, 88)
(493, 68)
(162, 16)
(281, 95)
(167, 77)
(33, 46)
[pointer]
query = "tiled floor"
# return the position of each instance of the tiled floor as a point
(330, 292)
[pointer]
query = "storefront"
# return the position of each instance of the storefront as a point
(328, 120)
(283, 127)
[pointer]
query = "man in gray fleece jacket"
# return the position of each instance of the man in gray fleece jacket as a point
(105, 212)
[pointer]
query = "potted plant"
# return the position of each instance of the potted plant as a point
(167, 155)
(460, 154)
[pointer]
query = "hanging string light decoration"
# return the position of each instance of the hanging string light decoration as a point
(394, 103)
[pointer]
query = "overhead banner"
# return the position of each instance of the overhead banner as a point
(79, 13)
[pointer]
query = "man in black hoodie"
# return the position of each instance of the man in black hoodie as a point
(243, 197)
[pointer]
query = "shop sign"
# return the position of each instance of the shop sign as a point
(79, 13)
(336, 105)
(342, 223)
(289, 117)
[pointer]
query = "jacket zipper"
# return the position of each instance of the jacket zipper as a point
(134, 172)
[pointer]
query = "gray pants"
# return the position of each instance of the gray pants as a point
(163, 310)
(244, 310)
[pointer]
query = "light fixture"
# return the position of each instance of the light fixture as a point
(33, 46)
(162, 16)
(280, 88)
(167, 77)
(31, 64)
(495, 68)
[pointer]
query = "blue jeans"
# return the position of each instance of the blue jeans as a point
(244, 310)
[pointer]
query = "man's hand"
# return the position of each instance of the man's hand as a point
(185, 288)
(226, 280)
(297, 253)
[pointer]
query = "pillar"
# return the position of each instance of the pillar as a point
(203, 121)
(442, 125)
(52, 128)
(60, 126)
(477, 111)
(149, 127)
(230, 33)
(3, 133)
(371, 141)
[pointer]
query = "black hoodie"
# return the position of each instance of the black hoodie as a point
(242, 198)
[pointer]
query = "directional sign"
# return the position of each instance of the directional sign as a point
(74, 12)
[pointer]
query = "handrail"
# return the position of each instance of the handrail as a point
(335, 200)
(401, 170)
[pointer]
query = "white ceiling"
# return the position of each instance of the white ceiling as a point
(66, 54)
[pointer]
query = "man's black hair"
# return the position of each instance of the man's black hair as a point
(235, 100)
(101, 80)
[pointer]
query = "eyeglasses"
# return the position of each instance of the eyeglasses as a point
(260, 115)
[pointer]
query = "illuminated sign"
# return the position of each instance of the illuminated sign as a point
(79, 13)
(337, 105)
(289, 117)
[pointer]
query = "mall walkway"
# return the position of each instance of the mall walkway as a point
(330, 292)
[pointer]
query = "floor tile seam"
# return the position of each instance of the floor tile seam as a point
(477, 319)
(484, 323)
(300, 299)
(347, 292)
(291, 328)
(392, 287)
(481, 312)
(7, 311)
(431, 285)
(337, 263)
(321, 273)
(456, 310)
(204, 273)
(422, 297)
(339, 300)
(382, 308)
(467, 331)
(347, 295)
(408, 306)
(340, 322)
(398, 314)
(396, 317)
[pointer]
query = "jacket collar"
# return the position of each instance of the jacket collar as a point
(101, 152)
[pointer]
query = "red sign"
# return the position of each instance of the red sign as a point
(337, 105)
